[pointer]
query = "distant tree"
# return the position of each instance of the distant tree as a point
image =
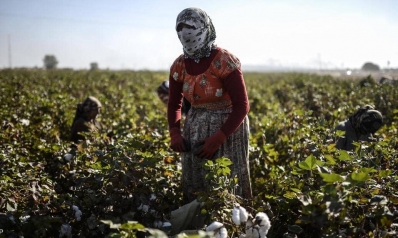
(50, 62)
(368, 66)
(93, 66)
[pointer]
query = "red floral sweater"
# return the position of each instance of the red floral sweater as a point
(216, 82)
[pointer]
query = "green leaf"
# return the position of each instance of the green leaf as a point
(290, 195)
(295, 229)
(132, 225)
(360, 177)
(224, 161)
(340, 133)
(344, 156)
(384, 173)
(330, 159)
(309, 163)
(331, 178)
(367, 170)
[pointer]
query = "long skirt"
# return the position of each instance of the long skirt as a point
(201, 123)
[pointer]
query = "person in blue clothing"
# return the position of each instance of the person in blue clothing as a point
(359, 127)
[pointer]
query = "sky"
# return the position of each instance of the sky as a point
(140, 34)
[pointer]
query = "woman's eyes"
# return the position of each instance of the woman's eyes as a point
(188, 27)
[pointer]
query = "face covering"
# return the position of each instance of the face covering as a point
(192, 39)
(197, 43)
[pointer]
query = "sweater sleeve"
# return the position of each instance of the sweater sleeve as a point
(175, 103)
(235, 86)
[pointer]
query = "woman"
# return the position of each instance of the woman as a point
(359, 127)
(210, 78)
(85, 118)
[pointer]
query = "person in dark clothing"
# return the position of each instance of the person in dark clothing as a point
(359, 127)
(163, 94)
(85, 118)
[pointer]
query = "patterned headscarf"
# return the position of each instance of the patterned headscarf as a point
(82, 108)
(90, 103)
(197, 43)
(164, 88)
(366, 120)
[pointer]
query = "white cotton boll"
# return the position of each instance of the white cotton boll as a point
(222, 233)
(139, 208)
(236, 216)
(145, 208)
(78, 215)
(25, 122)
(249, 229)
(153, 197)
(68, 157)
(243, 214)
(255, 232)
(157, 224)
(262, 232)
(166, 224)
(75, 208)
(263, 222)
(214, 226)
(24, 218)
(66, 230)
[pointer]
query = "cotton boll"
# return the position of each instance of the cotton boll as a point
(243, 214)
(214, 226)
(75, 208)
(153, 197)
(68, 157)
(24, 219)
(139, 208)
(66, 230)
(262, 232)
(145, 208)
(222, 233)
(157, 224)
(263, 222)
(166, 224)
(236, 216)
(78, 215)
(249, 229)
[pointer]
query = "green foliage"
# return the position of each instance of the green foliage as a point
(305, 185)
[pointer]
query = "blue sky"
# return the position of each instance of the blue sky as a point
(135, 34)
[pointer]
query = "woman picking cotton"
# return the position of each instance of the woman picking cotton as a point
(85, 118)
(210, 78)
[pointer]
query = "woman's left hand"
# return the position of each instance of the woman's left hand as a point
(211, 145)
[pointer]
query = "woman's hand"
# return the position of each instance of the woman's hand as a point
(211, 145)
(177, 141)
